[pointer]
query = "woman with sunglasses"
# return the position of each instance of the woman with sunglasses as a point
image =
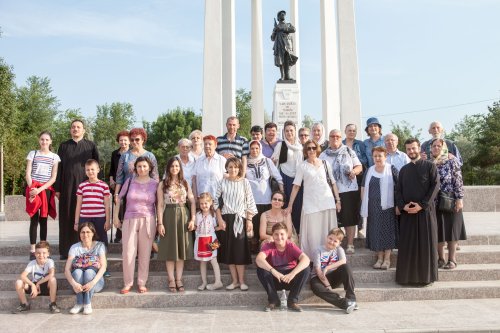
(138, 138)
(320, 207)
(275, 215)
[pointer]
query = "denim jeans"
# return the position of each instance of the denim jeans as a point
(83, 277)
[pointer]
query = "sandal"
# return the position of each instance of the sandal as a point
(450, 265)
(125, 290)
(171, 286)
(378, 264)
(180, 285)
(441, 263)
(142, 289)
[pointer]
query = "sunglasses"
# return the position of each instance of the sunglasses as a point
(311, 148)
(136, 139)
(278, 199)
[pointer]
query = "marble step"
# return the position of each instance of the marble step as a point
(474, 254)
(192, 279)
(23, 249)
(256, 296)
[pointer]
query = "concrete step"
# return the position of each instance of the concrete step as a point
(363, 258)
(19, 250)
(192, 279)
(256, 296)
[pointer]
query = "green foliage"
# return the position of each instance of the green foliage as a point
(404, 131)
(7, 100)
(307, 121)
(109, 120)
(465, 135)
(244, 111)
(488, 142)
(167, 130)
(62, 124)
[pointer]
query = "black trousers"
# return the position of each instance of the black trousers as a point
(342, 275)
(36, 220)
(272, 285)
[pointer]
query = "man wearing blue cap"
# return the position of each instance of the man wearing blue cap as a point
(374, 131)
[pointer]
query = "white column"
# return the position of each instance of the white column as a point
(257, 65)
(212, 69)
(349, 75)
(295, 70)
(329, 66)
(228, 61)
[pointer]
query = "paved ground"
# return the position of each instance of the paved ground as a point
(481, 315)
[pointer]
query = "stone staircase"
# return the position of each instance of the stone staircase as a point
(477, 276)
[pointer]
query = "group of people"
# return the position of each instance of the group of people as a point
(223, 198)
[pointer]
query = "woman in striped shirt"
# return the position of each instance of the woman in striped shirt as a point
(234, 215)
(41, 172)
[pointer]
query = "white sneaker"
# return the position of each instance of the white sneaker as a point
(361, 233)
(350, 249)
(87, 309)
(215, 286)
(76, 309)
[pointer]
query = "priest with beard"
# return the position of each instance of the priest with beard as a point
(73, 153)
(416, 190)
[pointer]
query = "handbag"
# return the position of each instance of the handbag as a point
(446, 202)
(123, 201)
(328, 180)
(273, 183)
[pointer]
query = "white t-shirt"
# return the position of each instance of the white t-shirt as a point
(77, 249)
(41, 167)
(37, 272)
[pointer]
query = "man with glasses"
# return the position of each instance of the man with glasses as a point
(304, 135)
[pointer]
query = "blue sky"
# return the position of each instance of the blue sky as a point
(433, 55)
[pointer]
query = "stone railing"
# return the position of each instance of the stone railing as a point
(477, 199)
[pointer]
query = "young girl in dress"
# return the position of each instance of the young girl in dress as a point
(206, 243)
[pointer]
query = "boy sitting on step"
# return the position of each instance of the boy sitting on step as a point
(38, 278)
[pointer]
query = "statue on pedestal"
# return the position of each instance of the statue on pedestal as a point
(283, 47)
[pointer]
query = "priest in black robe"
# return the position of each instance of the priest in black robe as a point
(417, 187)
(71, 172)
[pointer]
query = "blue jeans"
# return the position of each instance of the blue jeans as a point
(83, 277)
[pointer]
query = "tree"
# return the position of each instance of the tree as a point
(7, 100)
(62, 125)
(488, 141)
(244, 111)
(308, 121)
(109, 120)
(167, 130)
(405, 131)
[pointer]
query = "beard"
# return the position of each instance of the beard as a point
(414, 156)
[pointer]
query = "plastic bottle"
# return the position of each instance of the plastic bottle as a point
(283, 302)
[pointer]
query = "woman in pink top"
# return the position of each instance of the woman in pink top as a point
(139, 223)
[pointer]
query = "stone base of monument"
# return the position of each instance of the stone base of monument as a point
(286, 104)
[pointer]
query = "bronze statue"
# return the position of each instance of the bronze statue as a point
(283, 47)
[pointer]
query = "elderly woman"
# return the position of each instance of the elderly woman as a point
(85, 268)
(41, 173)
(346, 166)
(318, 135)
(138, 138)
(175, 222)
(124, 141)
(139, 223)
(377, 206)
(259, 171)
(451, 226)
(321, 201)
(187, 159)
(288, 155)
(235, 217)
(196, 138)
(374, 131)
(209, 169)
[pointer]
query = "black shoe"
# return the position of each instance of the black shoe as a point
(54, 308)
(270, 307)
(117, 240)
(32, 256)
(23, 307)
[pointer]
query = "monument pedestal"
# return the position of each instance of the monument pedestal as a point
(286, 105)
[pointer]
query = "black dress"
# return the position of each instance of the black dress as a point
(417, 255)
(70, 173)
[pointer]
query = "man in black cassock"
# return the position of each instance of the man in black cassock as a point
(417, 187)
(71, 172)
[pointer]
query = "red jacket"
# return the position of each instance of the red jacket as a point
(40, 202)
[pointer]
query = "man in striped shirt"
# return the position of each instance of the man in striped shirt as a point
(92, 203)
(231, 144)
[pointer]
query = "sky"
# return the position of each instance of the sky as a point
(419, 61)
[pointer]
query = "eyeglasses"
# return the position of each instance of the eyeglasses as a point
(186, 147)
(278, 199)
(311, 148)
(135, 139)
(303, 134)
(335, 136)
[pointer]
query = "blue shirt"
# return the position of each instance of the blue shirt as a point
(369, 145)
(398, 159)
(238, 147)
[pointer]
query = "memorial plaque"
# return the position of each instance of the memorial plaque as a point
(286, 105)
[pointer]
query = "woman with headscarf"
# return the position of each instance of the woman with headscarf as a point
(259, 171)
(318, 135)
(451, 226)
